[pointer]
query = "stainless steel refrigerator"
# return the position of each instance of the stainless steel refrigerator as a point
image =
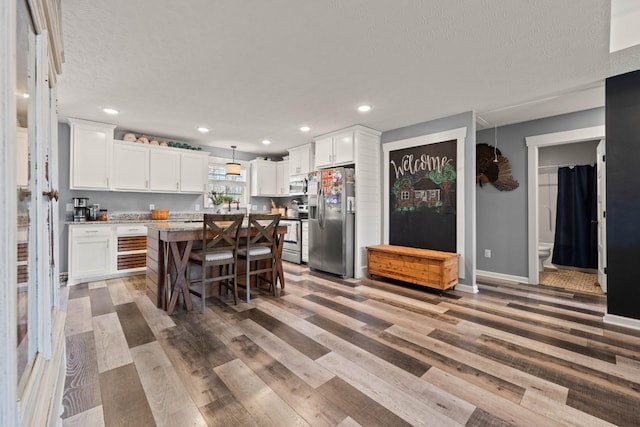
(331, 194)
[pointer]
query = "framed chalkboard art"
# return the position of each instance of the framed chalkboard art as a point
(424, 192)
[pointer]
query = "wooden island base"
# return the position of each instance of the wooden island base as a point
(425, 267)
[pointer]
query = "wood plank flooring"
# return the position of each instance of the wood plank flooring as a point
(332, 352)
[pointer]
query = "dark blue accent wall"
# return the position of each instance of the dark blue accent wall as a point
(623, 194)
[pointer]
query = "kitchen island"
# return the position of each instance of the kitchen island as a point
(168, 248)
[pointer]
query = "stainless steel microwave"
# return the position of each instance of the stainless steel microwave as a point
(298, 186)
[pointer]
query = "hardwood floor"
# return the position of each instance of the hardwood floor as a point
(349, 352)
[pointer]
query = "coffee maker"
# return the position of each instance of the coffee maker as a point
(80, 209)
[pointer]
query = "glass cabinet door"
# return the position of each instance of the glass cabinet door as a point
(25, 183)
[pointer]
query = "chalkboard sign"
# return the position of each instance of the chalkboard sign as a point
(422, 196)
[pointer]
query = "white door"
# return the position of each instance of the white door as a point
(602, 221)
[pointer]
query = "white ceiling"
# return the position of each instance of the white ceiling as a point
(251, 70)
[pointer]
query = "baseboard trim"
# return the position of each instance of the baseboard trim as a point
(627, 322)
(502, 276)
(472, 289)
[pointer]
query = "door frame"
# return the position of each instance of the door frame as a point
(8, 207)
(533, 143)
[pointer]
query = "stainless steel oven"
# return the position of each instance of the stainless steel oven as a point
(292, 246)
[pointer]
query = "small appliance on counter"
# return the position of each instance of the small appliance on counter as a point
(94, 210)
(80, 209)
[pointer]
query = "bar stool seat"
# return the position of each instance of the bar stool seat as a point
(261, 246)
(218, 257)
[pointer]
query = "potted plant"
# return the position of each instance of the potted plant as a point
(218, 200)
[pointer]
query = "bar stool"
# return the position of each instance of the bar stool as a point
(261, 247)
(219, 249)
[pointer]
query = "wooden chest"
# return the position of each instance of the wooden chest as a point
(424, 267)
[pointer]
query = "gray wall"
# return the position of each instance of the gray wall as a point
(447, 123)
(581, 153)
(501, 216)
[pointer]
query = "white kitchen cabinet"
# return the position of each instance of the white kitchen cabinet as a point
(264, 178)
(334, 149)
(141, 167)
(305, 240)
(282, 178)
(90, 252)
(301, 160)
(90, 151)
(193, 172)
(358, 146)
(130, 166)
(164, 170)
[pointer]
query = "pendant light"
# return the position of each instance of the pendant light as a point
(233, 168)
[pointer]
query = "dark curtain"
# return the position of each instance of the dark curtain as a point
(576, 240)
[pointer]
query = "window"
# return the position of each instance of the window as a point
(219, 182)
(404, 195)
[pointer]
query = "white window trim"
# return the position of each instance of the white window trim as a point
(245, 166)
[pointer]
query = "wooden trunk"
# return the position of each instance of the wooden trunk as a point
(424, 267)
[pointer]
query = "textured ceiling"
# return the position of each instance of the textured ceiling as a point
(251, 70)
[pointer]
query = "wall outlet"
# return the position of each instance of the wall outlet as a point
(254, 207)
(69, 207)
(487, 253)
(152, 207)
(197, 207)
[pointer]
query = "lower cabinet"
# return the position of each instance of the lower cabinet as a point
(305, 240)
(102, 251)
(90, 251)
(132, 248)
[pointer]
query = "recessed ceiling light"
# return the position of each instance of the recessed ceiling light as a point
(203, 129)
(266, 142)
(25, 95)
(305, 128)
(364, 108)
(111, 111)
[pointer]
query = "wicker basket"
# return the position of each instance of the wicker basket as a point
(159, 214)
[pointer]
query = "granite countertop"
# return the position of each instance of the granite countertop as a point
(143, 218)
(175, 226)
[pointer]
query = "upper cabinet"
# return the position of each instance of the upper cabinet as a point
(100, 163)
(301, 160)
(263, 178)
(269, 178)
(141, 167)
(334, 149)
(91, 145)
(282, 178)
(164, 171)
(130, 167)
(193, 172)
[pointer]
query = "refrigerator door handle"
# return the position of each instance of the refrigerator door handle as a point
(321, 208)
